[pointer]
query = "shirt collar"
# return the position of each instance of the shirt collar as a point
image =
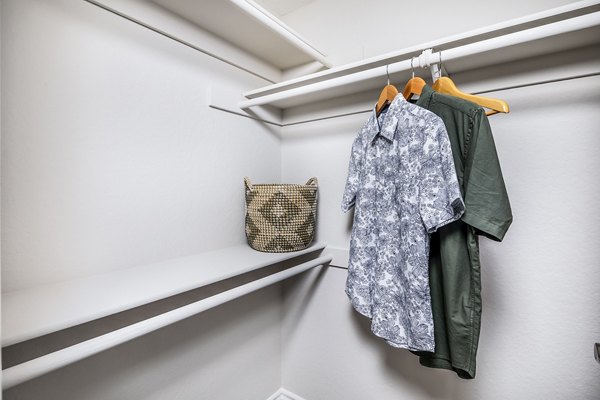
(386, 124)
(425, 97)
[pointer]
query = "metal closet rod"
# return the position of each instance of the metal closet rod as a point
(428, 58)
(175, 38)
(31, 369)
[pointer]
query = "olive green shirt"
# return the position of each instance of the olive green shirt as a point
(455, 269)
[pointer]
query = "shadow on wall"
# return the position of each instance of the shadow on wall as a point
(350, 220)
(307, 294)
(434, 383)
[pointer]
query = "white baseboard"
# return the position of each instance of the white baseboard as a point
(283, 394)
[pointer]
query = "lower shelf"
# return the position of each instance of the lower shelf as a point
(41, 310)
(31, 369)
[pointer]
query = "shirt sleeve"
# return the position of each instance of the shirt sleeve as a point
(353, 180)
(486, 200)
(440, 201)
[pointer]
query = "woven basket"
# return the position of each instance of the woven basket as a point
(280, 218)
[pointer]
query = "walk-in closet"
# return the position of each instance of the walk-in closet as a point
(300, 200)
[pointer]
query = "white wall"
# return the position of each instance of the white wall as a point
(356, 29)
(540, 297)
(111, 159)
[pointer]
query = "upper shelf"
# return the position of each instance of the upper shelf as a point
(570, 26)
(248, 26)
(37, 311)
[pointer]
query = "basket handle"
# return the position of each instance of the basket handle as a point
(312, 181)
(247, 183)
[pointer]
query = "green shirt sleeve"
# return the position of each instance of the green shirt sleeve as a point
(486, 200)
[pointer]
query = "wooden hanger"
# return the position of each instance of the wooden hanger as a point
(387, 95)
(445, 85)
(414, 86)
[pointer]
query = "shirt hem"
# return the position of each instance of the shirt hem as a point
(398, 345)
(443, 363)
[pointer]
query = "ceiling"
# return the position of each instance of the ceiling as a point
(227, 21)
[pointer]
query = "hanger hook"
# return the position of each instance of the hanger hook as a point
(412, 67)
(387, 72)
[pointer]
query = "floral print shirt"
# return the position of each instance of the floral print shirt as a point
(403, 185)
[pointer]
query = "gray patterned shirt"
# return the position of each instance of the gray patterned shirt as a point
(403, 184)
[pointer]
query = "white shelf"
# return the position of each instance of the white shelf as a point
(250, 27)
(34, 312)
(517, 40)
